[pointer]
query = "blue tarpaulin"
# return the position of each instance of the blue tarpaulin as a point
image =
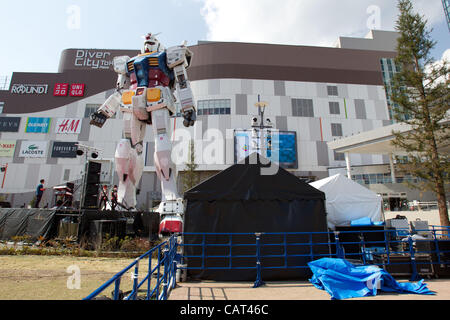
(343, 280)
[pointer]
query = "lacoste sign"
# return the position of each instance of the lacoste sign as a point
(33, 149)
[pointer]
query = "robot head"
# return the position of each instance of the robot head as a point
(151, 44)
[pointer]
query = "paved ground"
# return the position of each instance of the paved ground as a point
(300, 290)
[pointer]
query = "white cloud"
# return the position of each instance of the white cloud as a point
(439, 64)
(303, 22)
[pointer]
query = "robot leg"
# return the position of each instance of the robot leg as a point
(125, 158)
(166, 169)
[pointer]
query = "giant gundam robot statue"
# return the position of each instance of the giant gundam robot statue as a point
(145, 93)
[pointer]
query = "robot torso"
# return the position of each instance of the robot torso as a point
(150, 70)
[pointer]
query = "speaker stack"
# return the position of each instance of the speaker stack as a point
(92, 185)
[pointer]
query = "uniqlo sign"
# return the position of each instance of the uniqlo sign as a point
(77, 90)
(61, 89)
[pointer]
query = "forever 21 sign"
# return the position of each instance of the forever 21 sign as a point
(64, 149)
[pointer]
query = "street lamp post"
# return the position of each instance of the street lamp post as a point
(262, 126)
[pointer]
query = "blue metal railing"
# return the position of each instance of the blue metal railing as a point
(165, 278)
(384, 251)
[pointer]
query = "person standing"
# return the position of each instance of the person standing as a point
(39, 192)
(104, 198)
(114, 198)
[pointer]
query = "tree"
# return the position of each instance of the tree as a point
(420, 92)
(190, 177)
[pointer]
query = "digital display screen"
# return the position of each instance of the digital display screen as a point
(278, 146)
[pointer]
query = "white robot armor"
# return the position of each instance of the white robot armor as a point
(145, 94)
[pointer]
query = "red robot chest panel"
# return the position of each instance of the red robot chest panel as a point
(155, 78)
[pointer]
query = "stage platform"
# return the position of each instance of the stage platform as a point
(75, 224)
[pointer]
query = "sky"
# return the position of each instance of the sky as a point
(34, 33)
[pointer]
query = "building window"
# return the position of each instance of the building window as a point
(332, 90)
(336, 130)
(334, 108)
(211, 107)
(302, 108)
(90, 109)
(2, 105)
(66, 174)
(339, 156)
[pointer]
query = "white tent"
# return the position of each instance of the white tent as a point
(347, 201)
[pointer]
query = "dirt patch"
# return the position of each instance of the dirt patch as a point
(46, 277)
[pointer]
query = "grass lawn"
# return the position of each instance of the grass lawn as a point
(28, 277)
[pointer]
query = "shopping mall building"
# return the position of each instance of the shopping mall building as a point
(314, 95)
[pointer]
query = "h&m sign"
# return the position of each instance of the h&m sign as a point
(68, 125)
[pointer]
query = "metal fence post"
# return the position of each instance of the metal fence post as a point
(174, 262)
(414, 275)
(166, 271)
(149, 283)
(311, 249)
(135, 280)
(339, 251)
(363, 248)
(117, 289)
(158, 273)
(258, 282)
(436, 247)
(230, 262)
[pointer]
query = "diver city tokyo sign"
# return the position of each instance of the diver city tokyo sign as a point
(33, 149)
(93, 59)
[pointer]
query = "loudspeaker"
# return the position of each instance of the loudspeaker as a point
(99, 229)
(92, 181)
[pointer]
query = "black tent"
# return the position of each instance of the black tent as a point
(251, 197)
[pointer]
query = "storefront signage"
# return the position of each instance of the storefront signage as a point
(64, 149)
(7, 148)
(37, 125)
(61, 89)
(33, 149)
(93, 59)
(29, 89)
(68, 125)
(77, 90)
(9, 124)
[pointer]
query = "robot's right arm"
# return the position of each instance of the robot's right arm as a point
(112, 104)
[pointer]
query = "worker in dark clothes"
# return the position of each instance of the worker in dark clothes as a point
(104, 198)
(39, 192)
(114, 198)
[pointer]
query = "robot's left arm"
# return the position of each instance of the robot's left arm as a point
(179, 59)
(112, 104)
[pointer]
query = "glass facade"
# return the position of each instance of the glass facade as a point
(336, 130)
(302, 108)
(211, 107)
(334, 108)
(90, 109)
(332, 90)
(446, 4)
(388, 69)
(382, 178)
